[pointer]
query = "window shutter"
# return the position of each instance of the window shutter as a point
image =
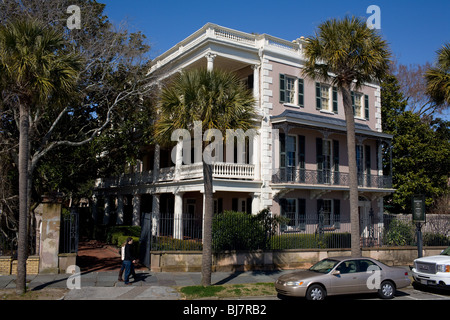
(336, 161)
(318, 97)
(282, 88)
(353, 102)
(301, 93)
(220, 205)
(366, 106)
(337, 213)
(319, 210)
(319, 153)
(234, 204)
(301, 158)
(301, 213)
(335, 100)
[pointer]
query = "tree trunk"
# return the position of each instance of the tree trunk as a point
(22, 250)
(353, 174)
(207, 225)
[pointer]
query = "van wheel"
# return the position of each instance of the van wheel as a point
(316, 292)
(387, 290)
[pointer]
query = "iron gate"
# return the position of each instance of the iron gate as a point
(69, 232)
(145, 239)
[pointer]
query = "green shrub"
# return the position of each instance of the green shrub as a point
(167, 243)
(237, 231)
(399, 233)
(115, 234)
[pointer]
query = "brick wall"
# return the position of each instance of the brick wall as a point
(9, 266)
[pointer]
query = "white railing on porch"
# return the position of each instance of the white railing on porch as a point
(222, 170)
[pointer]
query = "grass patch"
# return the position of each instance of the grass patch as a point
(227, 291)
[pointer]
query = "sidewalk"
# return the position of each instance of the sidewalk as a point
(148, 285)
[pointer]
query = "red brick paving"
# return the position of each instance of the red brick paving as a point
(96, 256)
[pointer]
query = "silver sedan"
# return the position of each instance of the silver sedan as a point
(343, 275)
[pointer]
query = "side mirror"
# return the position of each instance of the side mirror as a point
(336, 273)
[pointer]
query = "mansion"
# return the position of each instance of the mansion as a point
(297, 164)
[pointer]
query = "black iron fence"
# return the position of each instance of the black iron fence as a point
(69, 231)
(329, 177)
(247, 232)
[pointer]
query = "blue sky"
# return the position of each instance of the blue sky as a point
(414, 29)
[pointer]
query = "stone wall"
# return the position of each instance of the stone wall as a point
(190, 261)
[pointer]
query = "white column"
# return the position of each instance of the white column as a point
(94, 211)
(155, 215)
(107, 208)
(256, 82)
(178, 160)
(210, 58)
(119, 219)
(178, 215)
(136, 221)
(257, 155)
(255, 203)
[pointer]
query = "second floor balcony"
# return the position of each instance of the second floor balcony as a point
(329, 178)
(221, 170)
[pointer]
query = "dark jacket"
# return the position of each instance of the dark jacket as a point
(129, 252)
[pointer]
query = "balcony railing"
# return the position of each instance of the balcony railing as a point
(328, 177)
(221, 170)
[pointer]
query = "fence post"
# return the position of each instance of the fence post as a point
(51, 223)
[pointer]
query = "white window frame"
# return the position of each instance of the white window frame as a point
(359, 98)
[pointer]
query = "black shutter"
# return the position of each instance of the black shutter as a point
(336, 161)
(335, 100)
(366, 106)
(301, 213)
(301, 100)
(319, 159)
(220, 205)
(337, 213)
(234, 204)
(353, 102)
(318, 97)
(282, 88)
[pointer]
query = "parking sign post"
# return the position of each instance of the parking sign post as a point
(419, 217)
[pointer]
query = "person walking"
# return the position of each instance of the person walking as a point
(128, 260)
(122, 266)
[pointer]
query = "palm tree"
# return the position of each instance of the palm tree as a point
(348, 54)
(34, 68)
(220, 101)
(438, 78)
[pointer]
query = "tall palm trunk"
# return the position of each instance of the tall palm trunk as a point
(22, 250)
(353, 175)
(207, 225)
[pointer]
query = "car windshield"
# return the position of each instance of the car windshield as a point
(446, 252)
(324, 266)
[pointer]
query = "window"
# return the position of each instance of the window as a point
(327, 157)
(363, 165)
(295, 211)
(357, 104)
(291, 90)
(326, 98)
(347, 267)
(329, 212)
(360, 104)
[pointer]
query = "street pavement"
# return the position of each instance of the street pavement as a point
(104, 285)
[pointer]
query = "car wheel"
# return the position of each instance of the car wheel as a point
(316, 292)
(387, 290)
